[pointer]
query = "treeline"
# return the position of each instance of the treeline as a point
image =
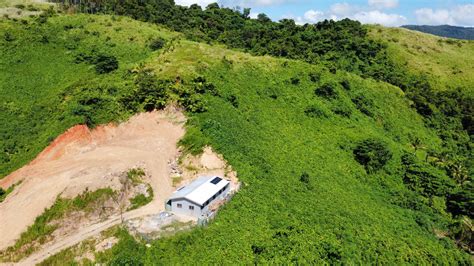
(340, 44)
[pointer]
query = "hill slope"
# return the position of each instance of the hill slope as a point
(46, 78)
(335, 166)
(447, 63)
(464, 33)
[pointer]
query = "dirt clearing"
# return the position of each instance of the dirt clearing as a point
(82, 158)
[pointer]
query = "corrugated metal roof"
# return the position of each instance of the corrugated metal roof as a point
(200, 190)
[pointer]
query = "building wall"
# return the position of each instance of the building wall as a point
(185, 208)
(197, 209)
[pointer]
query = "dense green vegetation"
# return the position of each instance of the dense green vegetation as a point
(465, 33)
(43, 227)
(337, 167)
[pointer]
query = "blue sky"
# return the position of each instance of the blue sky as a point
(385, 12)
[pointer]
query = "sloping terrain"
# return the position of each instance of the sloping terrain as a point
(336, 168)
(448, 63)
(45, 83)
(84, 159)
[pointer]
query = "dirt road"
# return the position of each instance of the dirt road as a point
(83, 234)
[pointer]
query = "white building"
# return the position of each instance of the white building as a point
(195, 198)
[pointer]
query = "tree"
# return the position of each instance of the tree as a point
(327, 90)
(246, 13)
(373, 154)
(157, 43)
(105, 64)
(461, 201)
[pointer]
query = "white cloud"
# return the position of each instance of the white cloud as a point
(429, 16)
(464, 14)
(461, 15)
(313, 16)
(253, 15)
(377, 17)
(366, 14)
(342, 9)
(383, 3)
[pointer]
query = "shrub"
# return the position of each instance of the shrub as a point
(364, 104)
(105, 64)
(342, 109)
(372, 154)
(157, 43)
(315, 112)
(461, 201)
(346, 84)
(295, 80)
(304, 178)
(150, 93)
(327, 90)
(8, 37)
(314, 76)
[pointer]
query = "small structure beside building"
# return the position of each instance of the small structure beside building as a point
(196, 198)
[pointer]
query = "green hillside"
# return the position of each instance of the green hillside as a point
(448, 63)
(337, 166)
(44, 77)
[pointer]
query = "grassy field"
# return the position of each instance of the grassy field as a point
(449, 63)
(288, 128)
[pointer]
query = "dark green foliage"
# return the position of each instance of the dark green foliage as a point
(304, 178)
(7, 36)
(461, 230)
(150, 93)
(372, 154)
(342, 109)
(425, 179)
(315, 112)
(192, 101)
(461, 201)
(346, 84)
(295, 80)
(201, 86)
(105, 64)
(157, 43)
(314, 76)
(364, 104)
(327, 90)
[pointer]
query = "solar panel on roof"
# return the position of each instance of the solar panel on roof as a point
(216, 180)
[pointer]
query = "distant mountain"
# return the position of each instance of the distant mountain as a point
(465, 33)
